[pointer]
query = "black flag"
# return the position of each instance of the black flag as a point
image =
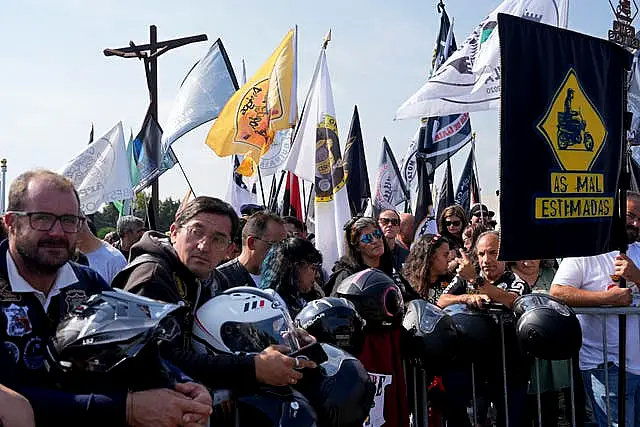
(424, 219)
(91, 134)
(468, 191)
(561, 141)
(439, 137)
(446, 197)
(355, 168)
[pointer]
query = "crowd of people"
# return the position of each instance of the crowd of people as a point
(51, 261)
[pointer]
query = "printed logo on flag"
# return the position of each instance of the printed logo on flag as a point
(254, 113)
(386, 185)
(278, 150)
(576, 133)
(329, 168)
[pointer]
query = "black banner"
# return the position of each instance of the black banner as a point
(560, 141)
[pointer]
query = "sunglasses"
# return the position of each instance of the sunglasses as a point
(452, 223)
(368, 238)
(392, 221)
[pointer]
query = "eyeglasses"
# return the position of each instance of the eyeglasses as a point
(218, 241)
(369, 237)
(392, 221)
(44, 221)
(452, 223)
(269, 243)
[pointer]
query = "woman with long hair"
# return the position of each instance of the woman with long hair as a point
(450, 225)
(290, 268)
(364, 247)
(426, 266)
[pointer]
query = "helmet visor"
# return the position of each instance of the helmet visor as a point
(254, 337)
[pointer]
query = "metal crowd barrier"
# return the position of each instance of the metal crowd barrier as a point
(417, 378)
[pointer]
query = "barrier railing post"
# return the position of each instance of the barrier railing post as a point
(504, 372)
(538, 391)
(473, 394)
(605, 358)
(414, 372)
(573, 395)
(424, 408)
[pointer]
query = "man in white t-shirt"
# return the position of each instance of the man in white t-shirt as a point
(587, 281)
(106, 260)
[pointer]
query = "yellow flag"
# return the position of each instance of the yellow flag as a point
(247, 167)
(262, 106)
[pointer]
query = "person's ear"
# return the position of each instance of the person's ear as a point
(173, 232)
(9, 221)
(251, 243)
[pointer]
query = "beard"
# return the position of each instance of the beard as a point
(632, 233)
(42, 261)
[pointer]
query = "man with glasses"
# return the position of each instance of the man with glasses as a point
(173, 268)
(262, 230)
(38, 287)
(389, 221)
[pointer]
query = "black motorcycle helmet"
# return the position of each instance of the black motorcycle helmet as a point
(340, 390)
(478, 333)
(434, 337)
(546, 327)
(111, 342)
(376, 297)
(334, 321)
(275, 407)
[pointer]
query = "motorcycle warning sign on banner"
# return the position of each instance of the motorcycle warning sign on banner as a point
(561, 141)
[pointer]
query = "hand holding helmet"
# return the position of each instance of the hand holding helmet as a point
(251, 320)
(274, 367)
(476, 300)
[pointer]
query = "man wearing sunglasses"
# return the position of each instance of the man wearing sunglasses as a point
(479, 213)
(38, 287)
(389, 221)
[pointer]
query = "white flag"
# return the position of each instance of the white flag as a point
(469, 80)
(315, 157)
(239, 192)
(100, 172)
(409, 167)
(204, 91)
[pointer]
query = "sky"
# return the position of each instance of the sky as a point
(55, 81)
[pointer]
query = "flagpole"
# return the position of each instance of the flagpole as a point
(306, 209)
(183, 172)
(304, 194)
(273, 201)
(3, 169)
(261, 186)
(475, 172)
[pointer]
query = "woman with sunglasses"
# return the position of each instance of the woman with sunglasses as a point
(451, 223)
(365, 247)
(290, 268)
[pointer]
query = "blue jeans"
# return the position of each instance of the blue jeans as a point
(596, 392)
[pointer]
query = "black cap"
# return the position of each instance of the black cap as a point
(477, 207)
(250, 208)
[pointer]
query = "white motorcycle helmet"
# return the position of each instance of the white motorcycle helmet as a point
(243, 319)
